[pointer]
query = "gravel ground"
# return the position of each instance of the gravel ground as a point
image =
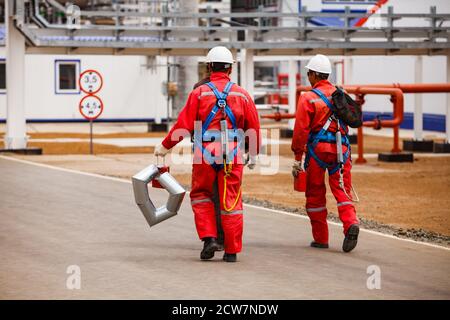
(414, 234)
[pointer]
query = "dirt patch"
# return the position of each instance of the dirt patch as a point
(372, 144)
(83, 148)
(75, 135)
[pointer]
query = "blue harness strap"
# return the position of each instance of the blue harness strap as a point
(329, 105)
(324, 98)
(326, 136)
(221, 103)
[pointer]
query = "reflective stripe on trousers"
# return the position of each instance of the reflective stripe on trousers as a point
(346, 203)
(200, 201)
(232, 212)
(316, 209)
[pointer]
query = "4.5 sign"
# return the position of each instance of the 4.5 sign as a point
(91, 107)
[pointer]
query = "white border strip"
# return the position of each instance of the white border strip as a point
(95, 175)
(362, 229)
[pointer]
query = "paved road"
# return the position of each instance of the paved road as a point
(51, 219)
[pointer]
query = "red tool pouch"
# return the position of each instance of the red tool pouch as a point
(300, 182)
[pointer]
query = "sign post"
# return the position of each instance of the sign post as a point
(91, 145)
(90, 106)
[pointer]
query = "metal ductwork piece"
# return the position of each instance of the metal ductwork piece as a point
(152, 214)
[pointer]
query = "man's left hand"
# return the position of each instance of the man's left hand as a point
(297, 167)
(252, 162)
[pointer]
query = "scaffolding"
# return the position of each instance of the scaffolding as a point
(156, 28)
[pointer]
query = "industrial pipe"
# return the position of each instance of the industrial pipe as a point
(411, 87)
(398, 106)
(277, 116)
(396, 98)
(405, 87)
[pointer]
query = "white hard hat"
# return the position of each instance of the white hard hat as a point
(319, 63)
(219, 54)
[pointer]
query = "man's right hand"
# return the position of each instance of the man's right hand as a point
(160, 151)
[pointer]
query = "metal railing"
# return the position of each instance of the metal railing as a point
(144, 28)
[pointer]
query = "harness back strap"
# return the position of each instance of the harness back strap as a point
(325, 136)
(221, 103)
(329, 105)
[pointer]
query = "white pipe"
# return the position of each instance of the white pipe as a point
(234, 72)
(447, 116)
(15, 137)
(418, 110)
(348, 70)
(243, 70)
(250, 85)
(292, 90)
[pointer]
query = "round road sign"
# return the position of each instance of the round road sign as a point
(91, 107)
(90, 81)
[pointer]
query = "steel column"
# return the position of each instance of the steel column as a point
(418, 110)
(15, 137)
(292, 89)
(247, 71)
(447, 116)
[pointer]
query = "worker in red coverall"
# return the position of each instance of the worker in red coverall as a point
(239, 112)
(311, 117)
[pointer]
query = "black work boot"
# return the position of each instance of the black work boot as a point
(210, 246)
(351, 238)
(229, 257)
(319, 245)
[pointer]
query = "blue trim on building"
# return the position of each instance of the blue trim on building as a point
(347, 3)
(343, 11)
(334, 21)
(431, 122)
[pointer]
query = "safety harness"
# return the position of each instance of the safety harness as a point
(324, 135)
(225, 135)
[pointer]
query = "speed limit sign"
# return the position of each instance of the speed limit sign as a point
(91, 107)
(90, 81)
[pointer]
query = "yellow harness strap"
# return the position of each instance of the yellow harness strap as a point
(227, 169)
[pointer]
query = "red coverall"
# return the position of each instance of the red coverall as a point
(200, 103)
(312, 114)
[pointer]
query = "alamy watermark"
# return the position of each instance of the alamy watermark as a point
(374, 279)
(73, 281)
(208, 147)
